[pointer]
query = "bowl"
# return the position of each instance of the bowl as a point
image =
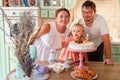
(58, 67)
(58, 70)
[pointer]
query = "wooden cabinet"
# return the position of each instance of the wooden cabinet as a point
(51, 4)
(21, 3)
(47, 13)
(5, 52)
(69, 4)
(1, 3)
(116, 52)
(44, 13)
(48, 7)
(2, 49)
(51, 13)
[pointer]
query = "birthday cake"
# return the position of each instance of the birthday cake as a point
(81, 46)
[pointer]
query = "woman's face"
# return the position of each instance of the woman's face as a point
(62, 18)
(77, 32)
(88, 14)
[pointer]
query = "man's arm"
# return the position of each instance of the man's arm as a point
(107, 48)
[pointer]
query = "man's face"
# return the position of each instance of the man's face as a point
(88, 14)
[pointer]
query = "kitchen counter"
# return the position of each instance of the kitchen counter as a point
(115, 42)
(104, 72)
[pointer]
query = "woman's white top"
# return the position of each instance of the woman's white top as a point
(98, 28)
(49, 41)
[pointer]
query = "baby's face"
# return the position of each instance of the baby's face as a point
(77, 32)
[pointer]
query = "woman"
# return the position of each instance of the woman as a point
(48, 37)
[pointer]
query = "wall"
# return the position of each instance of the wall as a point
(109, 9)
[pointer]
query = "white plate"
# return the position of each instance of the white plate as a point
(72, 74)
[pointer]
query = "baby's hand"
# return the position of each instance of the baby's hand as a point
(63, 42)
(87, 62)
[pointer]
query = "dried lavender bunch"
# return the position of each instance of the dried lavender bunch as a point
(25, 27)
(28, 65)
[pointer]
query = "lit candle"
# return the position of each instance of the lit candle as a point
(33, 51)
(87, 37)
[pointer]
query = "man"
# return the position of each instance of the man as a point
(97, 29)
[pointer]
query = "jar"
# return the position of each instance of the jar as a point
(52, 58)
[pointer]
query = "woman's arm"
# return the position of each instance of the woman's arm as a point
(45, 28)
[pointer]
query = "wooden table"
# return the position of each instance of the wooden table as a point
(104, 72)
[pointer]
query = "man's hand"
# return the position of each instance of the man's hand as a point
(108, 61)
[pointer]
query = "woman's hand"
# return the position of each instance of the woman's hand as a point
(31, 40)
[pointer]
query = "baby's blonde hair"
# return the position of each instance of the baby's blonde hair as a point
(78, 24)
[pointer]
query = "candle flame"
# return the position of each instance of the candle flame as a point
(87, 37)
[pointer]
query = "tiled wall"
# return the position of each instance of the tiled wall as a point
(109, 9)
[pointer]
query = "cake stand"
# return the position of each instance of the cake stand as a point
(81, 52)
